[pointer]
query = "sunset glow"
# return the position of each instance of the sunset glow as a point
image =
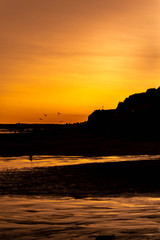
(74, 56)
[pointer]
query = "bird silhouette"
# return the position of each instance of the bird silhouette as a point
(40, 119)
(59, 113)
(45, 115)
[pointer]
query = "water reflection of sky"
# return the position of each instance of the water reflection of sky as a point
(68, 218)
(6, 131)
(47, 161)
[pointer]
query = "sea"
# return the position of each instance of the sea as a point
(30, 217)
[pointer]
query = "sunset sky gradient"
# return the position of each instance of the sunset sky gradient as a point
(75, 56)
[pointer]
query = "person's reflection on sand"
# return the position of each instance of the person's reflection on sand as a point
(30, 157)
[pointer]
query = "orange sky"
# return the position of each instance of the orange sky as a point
(75, 56)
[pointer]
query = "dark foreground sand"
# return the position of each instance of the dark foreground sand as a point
(79, 144)
(86, 180)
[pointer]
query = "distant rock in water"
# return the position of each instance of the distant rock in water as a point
(138, 114)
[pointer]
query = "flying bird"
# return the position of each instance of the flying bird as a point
(59, 113)
(45, 115)
(40, 119)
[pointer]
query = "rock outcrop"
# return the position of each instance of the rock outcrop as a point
(139, 113)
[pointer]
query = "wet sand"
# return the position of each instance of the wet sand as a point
(84, 180)
(99, 201)
(83, 219)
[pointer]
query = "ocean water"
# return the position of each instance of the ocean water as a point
(51, 217)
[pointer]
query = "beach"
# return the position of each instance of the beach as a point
(77, 197)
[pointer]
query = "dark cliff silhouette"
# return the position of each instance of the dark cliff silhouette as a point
(139, 114)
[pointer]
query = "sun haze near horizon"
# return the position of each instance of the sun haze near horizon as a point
(62, 59)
